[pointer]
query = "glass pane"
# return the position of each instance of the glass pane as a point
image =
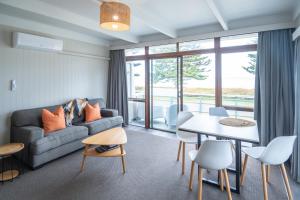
(136, 79)
(135, 52)
(198, 82)
(241, 114)
(162, 49)
(136, 92)
(196, 45)
(238, 79)
(164, 93)
(136, 113)
(239, 40)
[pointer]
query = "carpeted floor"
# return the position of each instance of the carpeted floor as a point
(152, 173)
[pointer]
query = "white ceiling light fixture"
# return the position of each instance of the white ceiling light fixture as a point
(114, 16)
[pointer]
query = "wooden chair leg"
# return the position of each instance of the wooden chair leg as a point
(122, 158)
(264, 181)
(268, 173)
(200, 176)
(221, 180)
(191, 176)
(244, 170)
(179, 150)
(227, 184)
(286, 181)
(183, 157)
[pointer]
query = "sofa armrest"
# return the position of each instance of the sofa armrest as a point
(109, 112)
(27, 134)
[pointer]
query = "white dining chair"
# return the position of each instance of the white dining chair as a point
(184, 137)
(218, 111)
(212, 155)
(275, 153)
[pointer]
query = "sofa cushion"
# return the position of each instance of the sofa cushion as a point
(29, 117)
(58, 138)
(103, 124)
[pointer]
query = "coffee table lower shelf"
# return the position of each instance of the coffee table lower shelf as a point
(91, 152)
(112, 153)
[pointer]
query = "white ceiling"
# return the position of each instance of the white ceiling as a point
(165, 18)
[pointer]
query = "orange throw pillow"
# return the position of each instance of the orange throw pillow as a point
(92, 113)
(53, 121)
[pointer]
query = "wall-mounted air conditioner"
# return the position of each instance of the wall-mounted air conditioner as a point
(24, 40)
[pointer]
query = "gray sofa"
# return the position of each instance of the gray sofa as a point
(26, 127)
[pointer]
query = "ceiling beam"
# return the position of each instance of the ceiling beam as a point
(212, 5)
(150, 19)
(59, 14)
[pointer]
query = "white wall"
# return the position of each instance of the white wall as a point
(46, 78)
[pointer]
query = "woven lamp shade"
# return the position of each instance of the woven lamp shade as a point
(114, 16)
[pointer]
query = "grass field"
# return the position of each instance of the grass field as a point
(230, 96)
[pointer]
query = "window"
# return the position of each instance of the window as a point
(198, 82)
(135, 52)
(162, 49)
(194, 77)
(240, 114)
(238, 79)
(196, 45)
(239, 40)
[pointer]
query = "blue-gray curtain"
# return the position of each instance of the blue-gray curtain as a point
(274, 85)
(295, 165)
(117, 84)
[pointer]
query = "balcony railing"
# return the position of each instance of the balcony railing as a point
(164, 108)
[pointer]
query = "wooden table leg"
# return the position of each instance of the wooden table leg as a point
(84, 157)
(122, 157)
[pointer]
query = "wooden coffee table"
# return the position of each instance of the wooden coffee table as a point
(8, 150)
(114, 136)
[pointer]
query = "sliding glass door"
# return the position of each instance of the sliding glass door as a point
(163, 93)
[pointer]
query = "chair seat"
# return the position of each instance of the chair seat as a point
(193, 154)
(254, 152)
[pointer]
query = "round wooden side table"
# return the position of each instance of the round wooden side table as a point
(8, 150)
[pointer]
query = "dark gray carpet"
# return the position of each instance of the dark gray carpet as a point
(152, 173)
